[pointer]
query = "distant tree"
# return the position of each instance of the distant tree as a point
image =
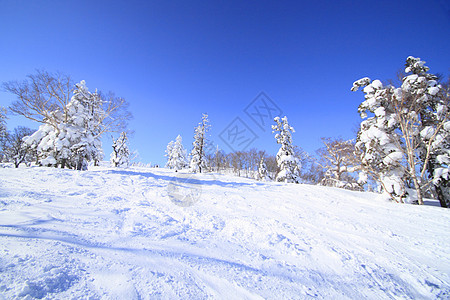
(237, 162)
(252, 158)
(15, 149)
(405, 140)
(2, 120)
(338, 158)
(168, 151)
(309, 172)
(263, 174)
(241, 163)
(313, 173)
(98, 155)
(287, 162)
(3, 131)
(198, 162)
(135, 159)
(120, 157)
(272, 166)
(176, 155)
(219, 160)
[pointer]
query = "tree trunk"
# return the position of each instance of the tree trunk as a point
(441, 196)
(418, 190)
(80, 164)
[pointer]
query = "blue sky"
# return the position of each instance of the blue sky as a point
(174, 60)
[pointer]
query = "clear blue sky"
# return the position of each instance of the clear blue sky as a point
(174, 60)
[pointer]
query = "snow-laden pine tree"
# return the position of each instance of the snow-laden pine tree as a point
(120, 157)
(405, 139)
(263, 174)
(2, 120)
(3, 131)
(176, 155)
(84, 108)
(286, 160)
(70, 139)
(198, 161)
(168, 154)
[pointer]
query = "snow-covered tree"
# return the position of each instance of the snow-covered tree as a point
(3, 131)
(84, 110)
(120, 157)
(434, 150)
(405, 139)
(286, 160)
(198, 162)
(2, 120)
(70, 139)
(263, 174)
(168, 154)
(43, 93)
(176, 154)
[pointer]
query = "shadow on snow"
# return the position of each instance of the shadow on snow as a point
(185, 177)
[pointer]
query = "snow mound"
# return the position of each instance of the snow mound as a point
(56, 280)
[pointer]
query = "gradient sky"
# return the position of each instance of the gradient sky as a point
(174, 60)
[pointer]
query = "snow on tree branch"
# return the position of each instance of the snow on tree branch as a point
(407, 134)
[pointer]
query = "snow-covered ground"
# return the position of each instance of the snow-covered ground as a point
(152, 233)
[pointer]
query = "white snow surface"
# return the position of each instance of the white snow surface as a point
(118, 234)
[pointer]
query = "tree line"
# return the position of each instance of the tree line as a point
(335, 164)
(402, 147)
(403, 144)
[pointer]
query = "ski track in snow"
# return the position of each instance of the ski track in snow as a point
(116, 234)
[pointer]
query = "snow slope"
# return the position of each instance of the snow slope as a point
(155, 234)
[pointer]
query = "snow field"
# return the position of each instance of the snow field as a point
(119, 234)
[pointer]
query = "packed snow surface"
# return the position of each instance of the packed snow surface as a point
(142, 233)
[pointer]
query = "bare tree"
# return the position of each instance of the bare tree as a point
(241, 163)
(338, 158)
(237, 162)
(116, 116)
(43, 94)
(272, 166)
(40, 95)
(219, 160)
(313, 173)
(15, 149)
